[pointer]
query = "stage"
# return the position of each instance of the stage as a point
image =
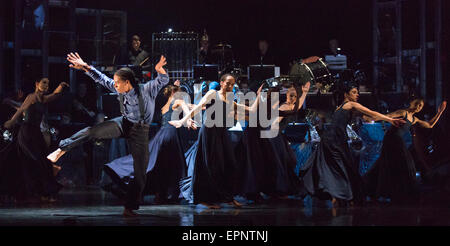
(90, 206)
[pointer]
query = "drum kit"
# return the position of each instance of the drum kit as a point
(322, 79)
(224, 56)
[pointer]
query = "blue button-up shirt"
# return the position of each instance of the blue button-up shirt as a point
(149, 92)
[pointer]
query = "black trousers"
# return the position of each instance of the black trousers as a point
(137, 138)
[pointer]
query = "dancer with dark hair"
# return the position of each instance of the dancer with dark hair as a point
(330, 172)
(270, 163)
(25, 173)
(286, 181)
(393, 175)
(214, 169)
(167, 165)
(137, 104)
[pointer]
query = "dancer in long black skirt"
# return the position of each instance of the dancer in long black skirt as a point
(214, 171)
(269, 162)
(167, 165)
(25, 173)
(286, 181)
(393, 175)
(190, 154)
(330, 172)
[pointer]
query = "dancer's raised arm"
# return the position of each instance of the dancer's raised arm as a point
(197, 108)
(154, 86)
(434, 120)
(373, 114)
(77, 62)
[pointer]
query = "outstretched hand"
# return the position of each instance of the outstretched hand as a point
(305, 87)
(192, 124)
(8, 124)
(310, 59)
(159, 66)
(176, 123)
(258, 92)
(77, 62)
(60, 87)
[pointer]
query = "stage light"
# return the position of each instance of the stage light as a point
(170, 30)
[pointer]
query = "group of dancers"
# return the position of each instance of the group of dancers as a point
(213, 171)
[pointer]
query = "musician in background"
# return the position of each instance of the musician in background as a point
(334, 58)
(138, 56)
(264, 55)
(204, 55)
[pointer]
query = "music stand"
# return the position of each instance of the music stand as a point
(260, 72)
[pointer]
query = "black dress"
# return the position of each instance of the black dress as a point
(258, 162)
(286, 181)
(330, 171)
(25, 172)
(212, 163)
(166, 167)
(393, 175)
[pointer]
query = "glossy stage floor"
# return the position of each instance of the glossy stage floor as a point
(90, 206)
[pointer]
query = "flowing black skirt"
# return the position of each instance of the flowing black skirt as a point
(393, 175)
(25, 171)
(331, 172)
(285, 181)
(257, 160)
(213, 167)
(167, 166)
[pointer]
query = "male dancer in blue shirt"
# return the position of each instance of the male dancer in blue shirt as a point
(137, 104)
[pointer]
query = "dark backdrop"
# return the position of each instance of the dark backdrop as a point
(295, 28)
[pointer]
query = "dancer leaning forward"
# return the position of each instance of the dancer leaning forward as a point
(137, 103)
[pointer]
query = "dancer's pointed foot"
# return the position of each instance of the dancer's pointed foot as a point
(55, 155)
(235, 203)
(129, 213)
(210, 205)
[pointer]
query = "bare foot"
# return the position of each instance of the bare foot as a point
(235, 203)
(56, 170)
(334, 202)
(210, 205)
(55, 155)
(129, 213)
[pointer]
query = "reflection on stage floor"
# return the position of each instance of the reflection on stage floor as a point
(90, 206)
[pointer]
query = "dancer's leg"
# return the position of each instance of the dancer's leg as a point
(137, 137)
(105, 130)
